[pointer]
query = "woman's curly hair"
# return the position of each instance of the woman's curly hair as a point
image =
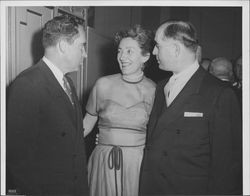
(144, 38)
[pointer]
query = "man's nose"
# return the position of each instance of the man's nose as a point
(84, 53)
(155, 51)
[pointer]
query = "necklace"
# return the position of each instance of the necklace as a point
(133, 79)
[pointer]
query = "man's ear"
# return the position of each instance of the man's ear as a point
(146, 57)
(62, 45)
(177, 49)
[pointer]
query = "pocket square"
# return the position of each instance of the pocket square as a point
(193, 114)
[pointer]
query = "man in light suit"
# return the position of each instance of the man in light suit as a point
(45, 144)
(194, 134)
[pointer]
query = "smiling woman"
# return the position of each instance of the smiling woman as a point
(130, 59)
(122, 103)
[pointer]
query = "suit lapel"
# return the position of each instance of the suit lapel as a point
(77, 107)
(177, 107)
(158, 107)
(78, 116)
(74, 112)
(55, 89)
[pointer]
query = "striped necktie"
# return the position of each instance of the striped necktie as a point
(67, 89)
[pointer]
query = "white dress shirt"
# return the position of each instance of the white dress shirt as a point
(177, 82)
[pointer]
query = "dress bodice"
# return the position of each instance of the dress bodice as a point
(120, 104)
(114, 114)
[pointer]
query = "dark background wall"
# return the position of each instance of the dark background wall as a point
(219, 28)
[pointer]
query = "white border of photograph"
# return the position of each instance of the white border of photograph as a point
(245, 52)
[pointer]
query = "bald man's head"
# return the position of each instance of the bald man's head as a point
(221, 68)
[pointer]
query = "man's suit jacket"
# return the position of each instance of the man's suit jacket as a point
(45, 144)
(194, 145)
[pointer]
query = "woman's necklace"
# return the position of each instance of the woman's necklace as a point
(133, 79)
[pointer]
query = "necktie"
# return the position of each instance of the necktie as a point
(167, 90)
(68, 89)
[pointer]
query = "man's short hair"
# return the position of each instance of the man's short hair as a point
(60, 27)
(182, 31)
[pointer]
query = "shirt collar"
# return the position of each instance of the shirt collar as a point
(187, 73)
(55, 70)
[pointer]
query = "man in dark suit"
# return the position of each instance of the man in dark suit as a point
(194, 134)
(45, 144)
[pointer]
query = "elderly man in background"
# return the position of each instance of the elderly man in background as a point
(222, 68)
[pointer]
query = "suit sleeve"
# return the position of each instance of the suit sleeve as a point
(226, 145)
(22, 126)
